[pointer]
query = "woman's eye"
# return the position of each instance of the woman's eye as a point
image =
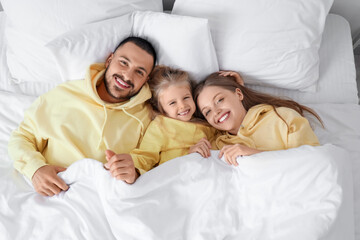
(220, 100)
(207, 113)
(123, 62)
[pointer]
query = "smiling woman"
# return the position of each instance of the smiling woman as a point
(246, 116)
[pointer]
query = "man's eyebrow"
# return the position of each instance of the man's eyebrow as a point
(141, 68)
(212, 100)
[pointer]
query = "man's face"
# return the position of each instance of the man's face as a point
(126, 72)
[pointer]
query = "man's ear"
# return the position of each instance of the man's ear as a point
(108, 60)
(239, 93)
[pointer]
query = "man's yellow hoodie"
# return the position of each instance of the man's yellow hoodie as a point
(71, 122)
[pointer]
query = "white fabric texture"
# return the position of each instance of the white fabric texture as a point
(75, 50)
(77, 218)
(266, 197)
(271, 43)
(7, 83)
(180, 41)
(336, 81)
(31, 24)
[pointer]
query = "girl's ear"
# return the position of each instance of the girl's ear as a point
(108, 60)
(239, 93)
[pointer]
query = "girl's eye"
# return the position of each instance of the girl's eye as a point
(171, 103)
(186, 97)
(207, 113)
(220, 100)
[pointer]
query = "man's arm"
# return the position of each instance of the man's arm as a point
(25, 147)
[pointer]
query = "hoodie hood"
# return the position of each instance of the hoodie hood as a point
(93, 78)
(96, 73)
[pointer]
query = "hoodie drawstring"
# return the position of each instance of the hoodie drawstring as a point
(105, 120)
(141, 123)
(103, 127)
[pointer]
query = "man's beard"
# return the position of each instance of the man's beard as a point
(108, 90)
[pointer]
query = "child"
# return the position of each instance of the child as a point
(253, 121)
(174, 132)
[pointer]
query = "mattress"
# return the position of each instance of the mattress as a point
(335, 101)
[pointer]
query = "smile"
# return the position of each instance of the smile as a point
(120, 83)
(184, 113)
(224, 117)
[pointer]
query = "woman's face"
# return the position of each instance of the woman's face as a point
(222, 108)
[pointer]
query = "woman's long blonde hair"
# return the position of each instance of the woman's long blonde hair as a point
(163, 77)
(251, 97)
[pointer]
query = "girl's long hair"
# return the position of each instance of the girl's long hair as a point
(251, 97)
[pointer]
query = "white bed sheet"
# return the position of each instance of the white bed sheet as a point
(345, 134)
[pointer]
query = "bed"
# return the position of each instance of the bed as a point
(301, 193)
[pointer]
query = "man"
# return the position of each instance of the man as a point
(84, 118)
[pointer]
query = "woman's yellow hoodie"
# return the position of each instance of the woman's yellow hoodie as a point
(71, 122)
(264, 130)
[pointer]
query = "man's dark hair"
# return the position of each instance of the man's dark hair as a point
(141, 43)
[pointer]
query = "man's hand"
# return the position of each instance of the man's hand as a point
(203, 147)
(47, 182)
(231, 152)
(121, 167)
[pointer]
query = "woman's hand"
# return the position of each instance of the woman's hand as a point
(203, 147)
(234, 74)
(231, 152)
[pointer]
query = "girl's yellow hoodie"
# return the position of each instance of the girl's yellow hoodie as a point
(71, 122)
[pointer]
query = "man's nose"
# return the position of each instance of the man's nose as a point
(128, 75)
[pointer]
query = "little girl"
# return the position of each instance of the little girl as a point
(174, 132)
(253, 121)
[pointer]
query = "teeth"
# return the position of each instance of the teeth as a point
(121, 82)
(183, 113)
(223, 118)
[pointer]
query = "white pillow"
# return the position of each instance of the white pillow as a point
(271, 43)
(180, 41)
(33, 23)
(75, 50)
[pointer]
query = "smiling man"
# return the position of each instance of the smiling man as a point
(84, 118)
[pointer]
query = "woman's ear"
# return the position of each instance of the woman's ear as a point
(239, 93)
(108, 60)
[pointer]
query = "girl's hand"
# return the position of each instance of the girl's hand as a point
(231, 152)
(234, 74)
(203, 147)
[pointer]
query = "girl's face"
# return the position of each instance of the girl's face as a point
(177, 102)
(222, 108)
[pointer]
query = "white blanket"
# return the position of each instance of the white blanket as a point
(292, 194)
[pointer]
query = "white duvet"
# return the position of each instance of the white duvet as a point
(290, 194)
